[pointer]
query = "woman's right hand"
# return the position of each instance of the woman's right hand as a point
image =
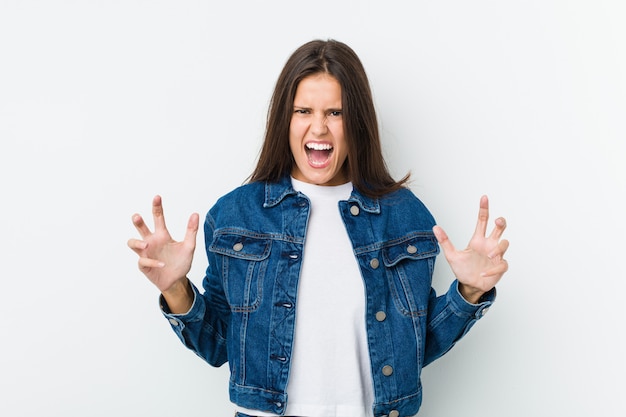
(163, 260)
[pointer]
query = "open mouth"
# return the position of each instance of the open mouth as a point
(318, 153)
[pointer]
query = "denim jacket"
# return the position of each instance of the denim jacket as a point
(254, 240)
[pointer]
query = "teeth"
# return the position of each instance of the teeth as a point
(319, 146)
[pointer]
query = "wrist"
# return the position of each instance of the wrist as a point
(179, 296)
(470, 294)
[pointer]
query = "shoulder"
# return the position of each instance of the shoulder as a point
(247, 192)
(405, 206)
(403, 197)
(241, 206)
(244, 196)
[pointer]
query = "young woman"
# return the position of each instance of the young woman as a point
(318, 289)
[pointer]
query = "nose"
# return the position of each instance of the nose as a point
(319, 125)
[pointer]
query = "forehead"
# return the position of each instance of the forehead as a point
(321, 86)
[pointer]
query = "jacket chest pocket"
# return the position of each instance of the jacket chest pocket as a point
(242, 263)
(409, 266)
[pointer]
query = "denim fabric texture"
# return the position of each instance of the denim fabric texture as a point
(245, 316)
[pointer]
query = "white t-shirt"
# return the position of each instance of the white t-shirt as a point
(330, 367)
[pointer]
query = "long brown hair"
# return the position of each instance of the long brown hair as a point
(366, 166)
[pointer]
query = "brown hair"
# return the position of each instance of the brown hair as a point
(366, 166)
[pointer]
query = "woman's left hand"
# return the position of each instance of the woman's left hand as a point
(479, 267)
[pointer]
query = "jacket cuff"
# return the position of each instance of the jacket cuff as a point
(463, 307)
(195, 313)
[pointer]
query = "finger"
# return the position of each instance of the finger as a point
(137, 245)
(147, 263)
(499, 229)
(140, 225)
(499, 250)
(444, 241)
(499, 269)
(483, 217)
(157, 213)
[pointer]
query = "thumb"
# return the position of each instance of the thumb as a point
(192, 229)
(444, 242)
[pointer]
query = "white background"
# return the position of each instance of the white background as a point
(104, 104)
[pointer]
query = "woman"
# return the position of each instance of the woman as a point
(318, 289)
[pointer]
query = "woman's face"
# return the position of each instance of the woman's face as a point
(316, 134)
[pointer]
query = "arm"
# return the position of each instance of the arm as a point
(166, 263)
(450, 317)
(478, 268)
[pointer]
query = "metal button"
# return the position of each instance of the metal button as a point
(484, 311)
(238, 247)
(354, 210)
(387, 370)
(394, 413)
(381, 316)
(374, 263)
(173, 322)
(411, 249)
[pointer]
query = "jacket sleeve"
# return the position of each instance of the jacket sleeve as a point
(450, 318)
(203, 329)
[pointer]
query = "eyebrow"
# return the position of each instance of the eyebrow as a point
(332, 109)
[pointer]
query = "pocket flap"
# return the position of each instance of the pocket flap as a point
(241, 246)
(417, 247)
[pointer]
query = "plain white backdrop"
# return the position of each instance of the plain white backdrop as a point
(104, 104)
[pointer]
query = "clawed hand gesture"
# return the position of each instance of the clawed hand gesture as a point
(163, 260)
(479, 267)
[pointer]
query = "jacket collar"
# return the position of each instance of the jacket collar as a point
(275, 192)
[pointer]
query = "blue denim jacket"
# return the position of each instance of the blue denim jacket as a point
(254, 241)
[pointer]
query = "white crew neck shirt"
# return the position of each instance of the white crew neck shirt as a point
(330, 366)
